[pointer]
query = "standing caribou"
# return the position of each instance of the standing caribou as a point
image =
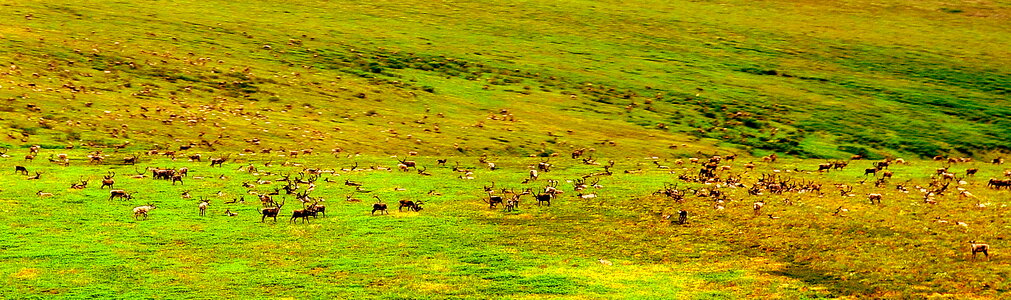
(218, 161)
(107, 180)
(874, 198)
(682, 217)
(271, 211)
(379, 206)
(204, 203)
(131, 160)
(545, 198)
(142, 210)
(979, 247)
(406, 164)
(177, 177)
(514, 202)
(757, 207)
(303, 213)
(492, 198)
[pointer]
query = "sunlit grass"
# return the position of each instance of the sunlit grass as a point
(519, 82)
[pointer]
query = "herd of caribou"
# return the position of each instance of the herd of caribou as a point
(711, 181)
(299, 186)
(940, 182)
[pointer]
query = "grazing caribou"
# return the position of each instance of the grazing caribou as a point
(410, 205)
(130, 160)
(113, 194)
(158, 173)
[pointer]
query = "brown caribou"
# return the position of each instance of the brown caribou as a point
(271, 211)
(107, 180)
(113, 194)
(379, 206)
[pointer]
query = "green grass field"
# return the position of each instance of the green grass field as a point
(810, 79)
(640, 83)
(78, 243)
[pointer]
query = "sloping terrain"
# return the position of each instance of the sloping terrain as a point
(792, 77)
(650, 89)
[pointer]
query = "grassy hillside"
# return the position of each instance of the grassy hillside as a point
(646, 85)
(793, 77)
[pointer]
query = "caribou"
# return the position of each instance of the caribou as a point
(493, 199)
(303, 213)
(107, 180)
(978, 248)
(80, 185)
(218, 161)
(410, 205)
(142, 210)
(204, 203)
(121, 194)
(379, 206)
(874, 198)
(271, 211)
(405, 164)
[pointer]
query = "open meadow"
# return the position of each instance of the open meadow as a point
(816, 234)
(683, 149)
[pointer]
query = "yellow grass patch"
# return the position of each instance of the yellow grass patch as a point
(26, 273)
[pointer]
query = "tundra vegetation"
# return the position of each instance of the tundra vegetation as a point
(780, 229)
(575, 149)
